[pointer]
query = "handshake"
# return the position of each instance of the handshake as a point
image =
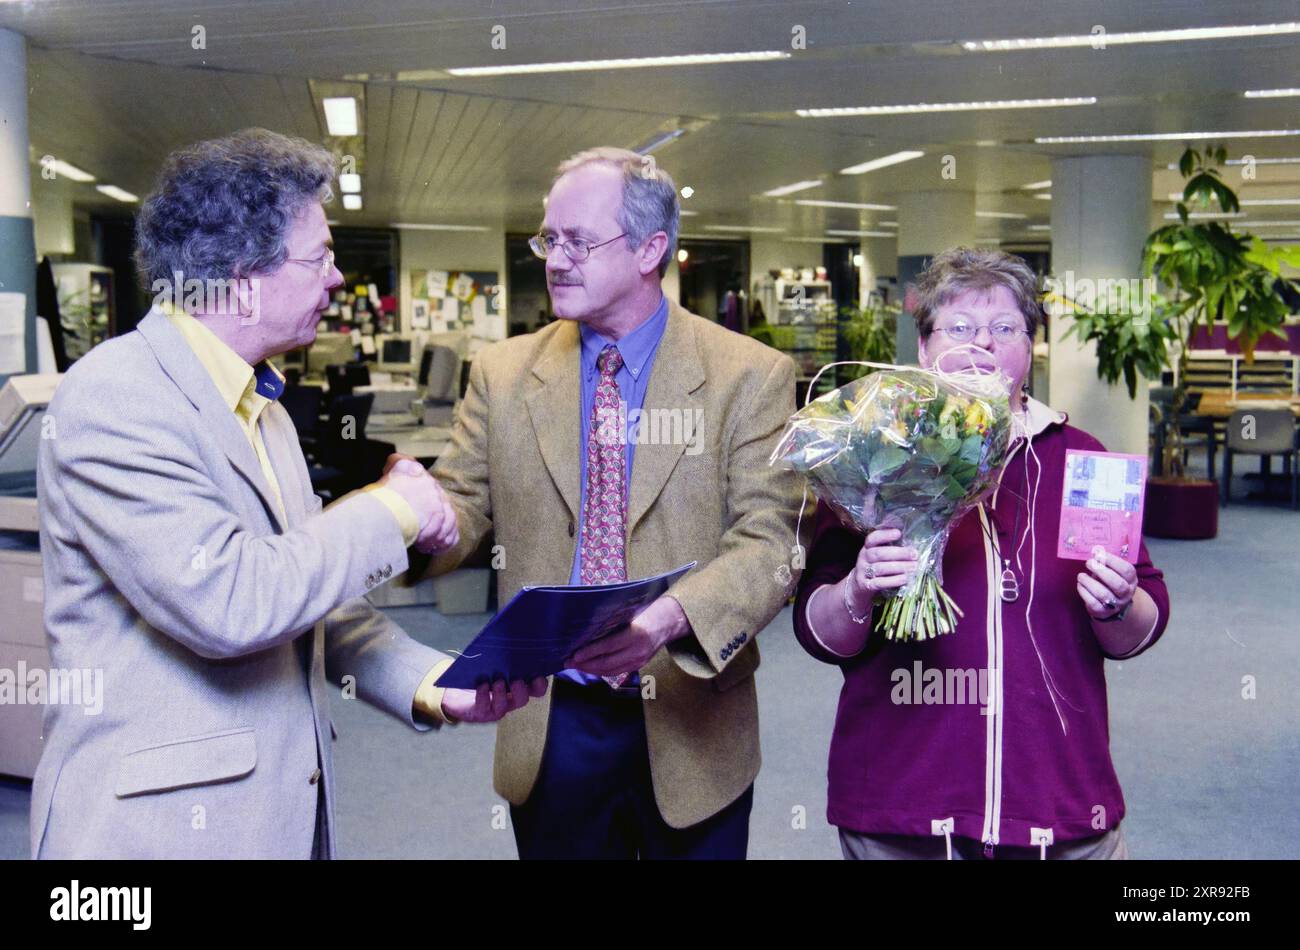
(411, 480)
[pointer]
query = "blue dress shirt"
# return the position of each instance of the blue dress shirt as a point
(638, 350)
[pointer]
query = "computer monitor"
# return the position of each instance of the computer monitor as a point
(395, 354)
(396, 350)
(294, 359)
(439, 373)
(23, 402)
(330, 349)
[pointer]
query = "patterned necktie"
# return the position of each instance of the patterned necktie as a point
(604, 524)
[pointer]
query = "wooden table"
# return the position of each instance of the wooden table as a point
(1219, 404)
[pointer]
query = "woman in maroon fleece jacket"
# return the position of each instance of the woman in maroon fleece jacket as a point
(990, 741)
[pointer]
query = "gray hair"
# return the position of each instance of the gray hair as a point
(649, 196)
(960, 269)
(222, 208)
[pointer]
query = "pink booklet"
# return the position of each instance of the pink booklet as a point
(1102, 504)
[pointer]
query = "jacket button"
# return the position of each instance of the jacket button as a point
(570, 529)
(388, 570)
(315, 777)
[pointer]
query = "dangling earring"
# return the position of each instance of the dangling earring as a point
(1024, 394)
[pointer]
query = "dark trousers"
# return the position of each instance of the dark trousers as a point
(593, 798)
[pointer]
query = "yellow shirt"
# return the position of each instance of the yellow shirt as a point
(237, 383)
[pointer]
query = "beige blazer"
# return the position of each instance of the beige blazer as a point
(701, 491)
(217, 621)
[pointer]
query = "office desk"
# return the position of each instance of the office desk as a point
(390, 397)
(425, 443)
(1221, 405)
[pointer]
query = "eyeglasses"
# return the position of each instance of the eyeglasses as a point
(323, 264)
(963, 332)
(576, 250)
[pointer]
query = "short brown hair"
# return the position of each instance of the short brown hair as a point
(959, 269)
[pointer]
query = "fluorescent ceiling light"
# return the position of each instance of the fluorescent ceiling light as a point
(115, 192)
(63, 169)
(352, 202)
(986, 105)
(791, 189)
(883, 162)
(1206, 215)
(1270, 93)
(640, 62)
(1125, 39)
(1001, 214)
(1161, 136)
(1248, 202)
(1173, 166)
(688, 214)
(350, 183)
(889, 224)
(1044, 196)
(1036, 185)
(743, 227)
(857, 206)
(340, 115)
(437, 227)
(1273, 224)
(1040, 227)
(862, 233)
(659, 141)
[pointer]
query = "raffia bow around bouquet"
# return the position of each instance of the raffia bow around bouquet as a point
(905, 448)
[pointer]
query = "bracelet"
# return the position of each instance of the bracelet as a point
(848, 608)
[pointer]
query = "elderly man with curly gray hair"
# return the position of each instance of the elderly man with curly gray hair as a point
(186, 556)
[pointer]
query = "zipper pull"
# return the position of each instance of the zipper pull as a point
(988, 847)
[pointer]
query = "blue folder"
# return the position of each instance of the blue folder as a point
(542, 627)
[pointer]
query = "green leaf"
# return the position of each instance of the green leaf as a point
(934, 450)
(885, 461)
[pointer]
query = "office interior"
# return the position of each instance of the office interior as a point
(816, 175)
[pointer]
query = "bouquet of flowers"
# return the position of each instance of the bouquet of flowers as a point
(911, 449)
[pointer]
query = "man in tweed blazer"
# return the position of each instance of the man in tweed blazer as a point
(662, 765)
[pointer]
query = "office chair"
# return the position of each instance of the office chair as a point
(1197, 431)
(303, 404)
(1275, 434)
(343, 458)
(345, 377)
(358, 374)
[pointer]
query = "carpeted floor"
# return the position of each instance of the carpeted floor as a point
(1206, 772)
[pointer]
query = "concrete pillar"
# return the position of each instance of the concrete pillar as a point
(1101, 215)
(928, 222)
(53, 218)
(17, 243)
(879, 259)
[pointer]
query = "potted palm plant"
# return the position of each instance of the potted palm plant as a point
(1207, 274)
